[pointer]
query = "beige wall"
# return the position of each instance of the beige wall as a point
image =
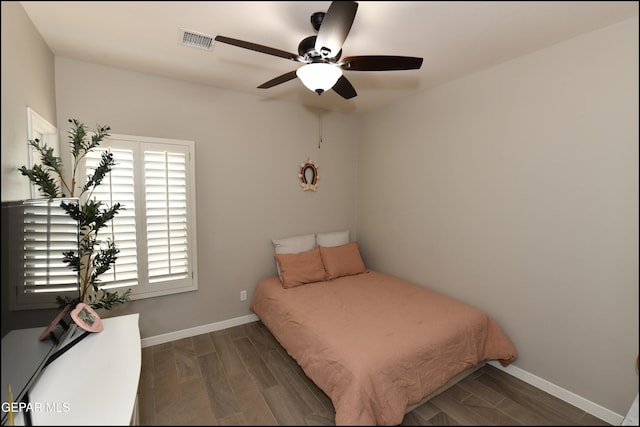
(248, 155)
(516, 189)
(27, 81)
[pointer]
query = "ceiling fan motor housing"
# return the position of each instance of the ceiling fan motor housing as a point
(316, 20)
(307, 50)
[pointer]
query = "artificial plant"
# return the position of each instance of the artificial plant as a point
(94, 256)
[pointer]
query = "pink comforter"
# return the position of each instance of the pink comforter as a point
(375, 343)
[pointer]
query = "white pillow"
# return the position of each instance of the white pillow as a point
(293, 245)
(334, 238)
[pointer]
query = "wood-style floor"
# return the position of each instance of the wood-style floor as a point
(242, 376)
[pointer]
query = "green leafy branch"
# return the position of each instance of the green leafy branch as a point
(94, 257)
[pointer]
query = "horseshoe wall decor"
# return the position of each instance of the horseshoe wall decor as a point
(309, 176)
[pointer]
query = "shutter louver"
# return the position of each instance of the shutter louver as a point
(166, 208)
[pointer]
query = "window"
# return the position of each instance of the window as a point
(41, 129)
(49, 232)
(35, 236)
(155, 231)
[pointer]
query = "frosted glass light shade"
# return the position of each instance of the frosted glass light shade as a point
(319, 77)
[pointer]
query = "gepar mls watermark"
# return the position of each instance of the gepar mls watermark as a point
(51, 407)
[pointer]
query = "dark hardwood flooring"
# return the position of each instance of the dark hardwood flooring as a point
(242, 376)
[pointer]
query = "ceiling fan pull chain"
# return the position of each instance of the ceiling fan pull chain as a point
(319, 129)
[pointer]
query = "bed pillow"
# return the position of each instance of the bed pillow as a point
(334, 238)
(303, 267)
(293, 245)
(344, 260)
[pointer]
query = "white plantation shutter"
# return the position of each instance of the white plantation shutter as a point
(118, 187)
(35, 235)
(154, 181)
(167, 221)
(48, 232)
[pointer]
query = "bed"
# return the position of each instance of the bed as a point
(374, 343)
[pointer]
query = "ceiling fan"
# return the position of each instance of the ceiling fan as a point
(321, 54)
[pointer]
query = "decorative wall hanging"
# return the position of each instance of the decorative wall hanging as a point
(309, 176)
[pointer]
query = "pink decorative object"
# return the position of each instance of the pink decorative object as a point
(55, 322)
(86, 318)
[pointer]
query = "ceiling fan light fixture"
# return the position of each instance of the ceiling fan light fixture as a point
(319, 76)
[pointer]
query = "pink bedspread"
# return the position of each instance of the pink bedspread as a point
(375, 343)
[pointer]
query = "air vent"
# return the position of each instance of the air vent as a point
(194, 39)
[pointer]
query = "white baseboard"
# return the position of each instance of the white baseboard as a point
(559, 392)
(198, 330)
(554, 390)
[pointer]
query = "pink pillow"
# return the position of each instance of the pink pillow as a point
(303, 267)
(344, 260)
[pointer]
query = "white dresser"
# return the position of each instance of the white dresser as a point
(93, 383)
(632, 416)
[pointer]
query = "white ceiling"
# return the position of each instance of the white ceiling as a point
(455, 38)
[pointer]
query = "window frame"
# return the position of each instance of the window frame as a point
(40, 128)
(140, 144)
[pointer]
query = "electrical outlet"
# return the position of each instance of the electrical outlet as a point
(243, 295)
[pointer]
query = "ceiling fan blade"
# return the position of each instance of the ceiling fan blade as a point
(344, 88)
(278, 80)
(260, 48)
(381, 63)
(335, 27)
